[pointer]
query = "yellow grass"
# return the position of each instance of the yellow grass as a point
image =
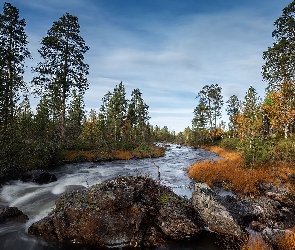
(288, 241)
(71, 155)
(230, 171)
(256, 243)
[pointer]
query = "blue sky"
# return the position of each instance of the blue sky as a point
(169, 49)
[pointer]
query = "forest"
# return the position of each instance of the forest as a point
(260, 129)
(60, 123)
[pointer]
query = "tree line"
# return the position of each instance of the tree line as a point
(37, 139)
(261, 129)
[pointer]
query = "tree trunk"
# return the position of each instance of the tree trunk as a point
(286, 130)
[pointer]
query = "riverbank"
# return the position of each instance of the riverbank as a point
(145, 151)
(38, 200)
(229, 172)
(274, 182)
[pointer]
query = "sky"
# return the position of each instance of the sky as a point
(169, 49)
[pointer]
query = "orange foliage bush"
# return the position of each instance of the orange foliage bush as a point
(256, 243)
(230, 171)
(71, 155)
(288, 241)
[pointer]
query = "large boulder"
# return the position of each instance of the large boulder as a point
(263, 210)
(126, 211)
(216, 216)
(8, 214)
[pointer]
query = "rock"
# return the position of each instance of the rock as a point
(6, 177)
(272, 236)
(177, 218)
(81, 158)
(216, 216)
(276, 192)
(12, 214)
(126, 211)
(38, 176)
(262, 210)
(101, 158)
(257, 226)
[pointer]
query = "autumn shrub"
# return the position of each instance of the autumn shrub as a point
(255, 242)
(230, 172)
(287, 242)
(284, 151)
(255, 151)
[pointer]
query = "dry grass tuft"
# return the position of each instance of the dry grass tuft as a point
(89, 155)
(288, 241)
(256, 243)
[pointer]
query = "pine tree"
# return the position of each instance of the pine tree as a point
(278, 70)
(210, 102)
(279, 59)
(117, 112)
(138, 115)
(63, 69)
(13, 52)
(233, 110)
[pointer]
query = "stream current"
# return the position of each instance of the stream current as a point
(37, 201)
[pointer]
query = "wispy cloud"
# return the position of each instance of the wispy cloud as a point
(168, 56)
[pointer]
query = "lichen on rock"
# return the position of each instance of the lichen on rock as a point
(125, 211)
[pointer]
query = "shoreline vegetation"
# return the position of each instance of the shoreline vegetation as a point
(146, 151)
(230, 173)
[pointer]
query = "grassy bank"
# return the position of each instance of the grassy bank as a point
(101, 155)
(231, 173)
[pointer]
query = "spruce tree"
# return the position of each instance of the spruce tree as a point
(117, 111)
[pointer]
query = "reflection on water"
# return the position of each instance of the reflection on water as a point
(38, 200)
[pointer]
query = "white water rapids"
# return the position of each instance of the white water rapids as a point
(37, 200)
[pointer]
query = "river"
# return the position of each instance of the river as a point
(37, 200)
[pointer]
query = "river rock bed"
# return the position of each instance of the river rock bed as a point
(125, 211)
(135, 211)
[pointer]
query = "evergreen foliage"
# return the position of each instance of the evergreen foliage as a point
(13, 52)
(262, 131)
(207, 113)
(63, 71)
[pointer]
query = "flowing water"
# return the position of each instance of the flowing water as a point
(37, 200)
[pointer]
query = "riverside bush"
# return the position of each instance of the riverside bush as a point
(284, 151)
(229, 143)
(256, 152)
(230, 172)
(288, 241)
